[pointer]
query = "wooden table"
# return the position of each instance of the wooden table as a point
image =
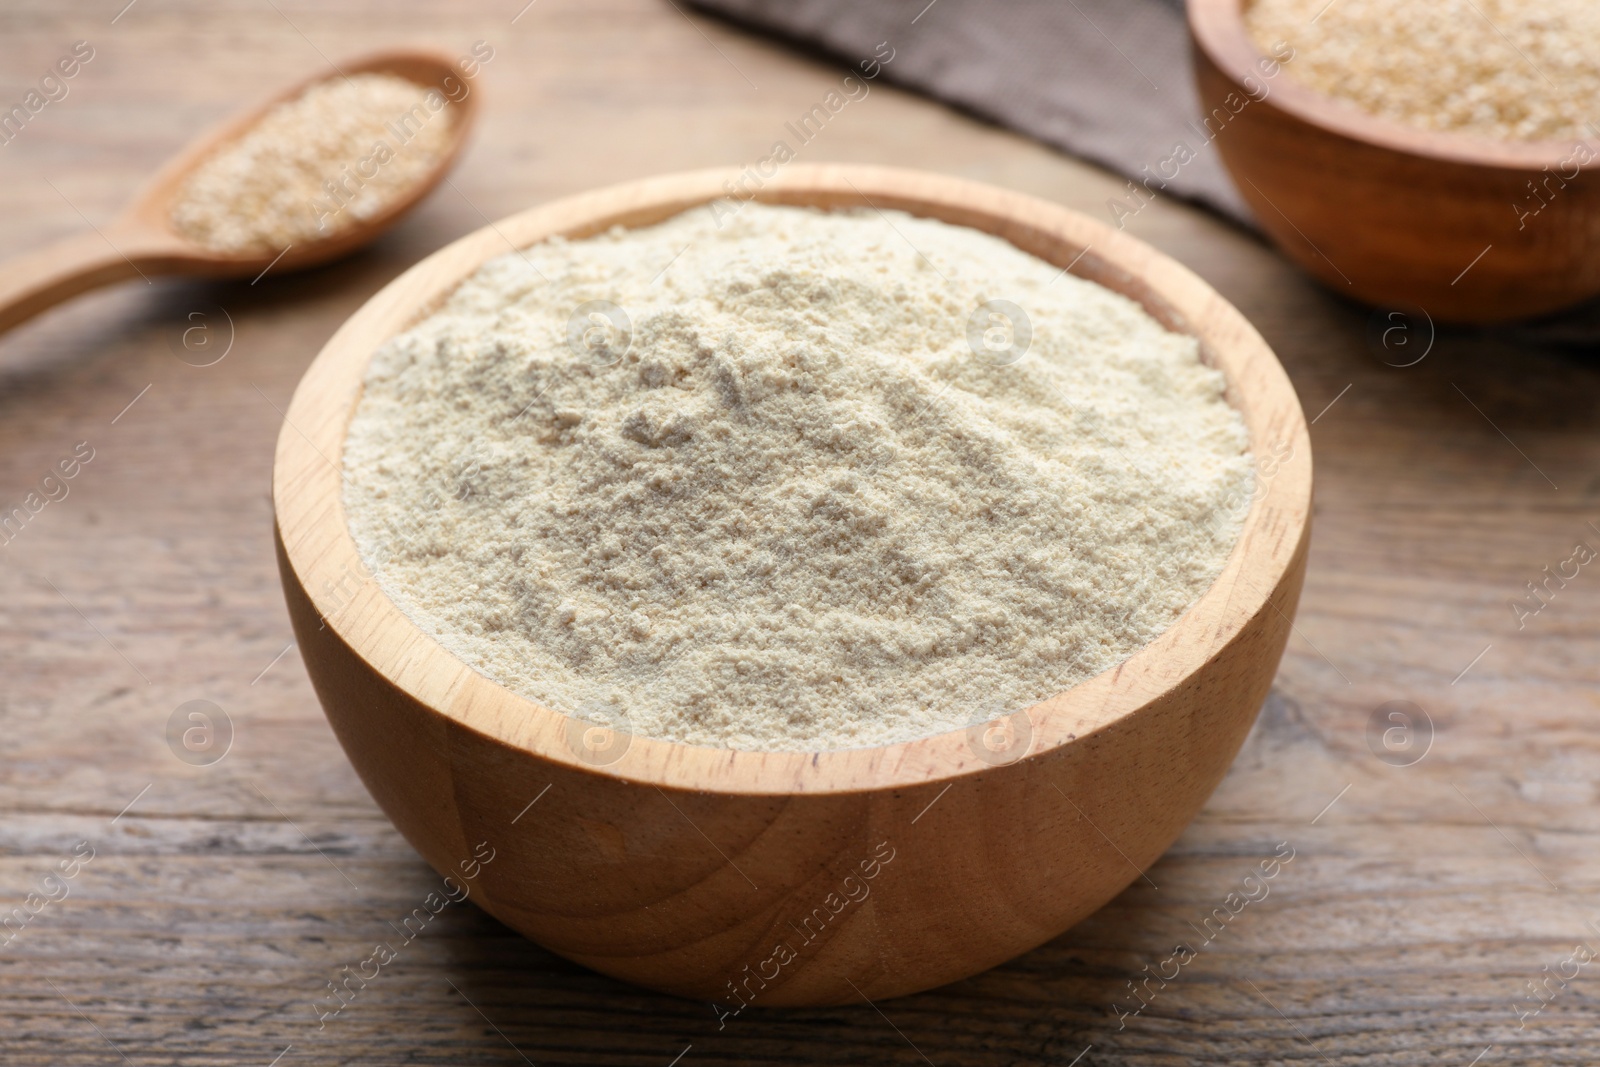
(222, 899)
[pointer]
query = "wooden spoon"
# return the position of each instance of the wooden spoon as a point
(142, 241)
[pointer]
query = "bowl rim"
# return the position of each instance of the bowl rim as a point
(1217, 28)
(321, 557)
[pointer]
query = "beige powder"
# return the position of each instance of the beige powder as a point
(800, 512)
(340, 152)
(1510, 70)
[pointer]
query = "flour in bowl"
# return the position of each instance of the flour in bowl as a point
(1511, 70)
(788, 484)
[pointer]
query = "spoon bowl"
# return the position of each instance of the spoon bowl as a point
(143, 242)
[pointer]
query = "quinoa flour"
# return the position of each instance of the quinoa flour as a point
(1511, 70)
(340, 152)
(786, 504)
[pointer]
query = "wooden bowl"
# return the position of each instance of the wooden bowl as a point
(1390, 214)
(795, 878)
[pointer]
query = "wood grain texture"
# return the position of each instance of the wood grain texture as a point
(208, 923)
(142, 243)
(1469, 229)
(794, 902)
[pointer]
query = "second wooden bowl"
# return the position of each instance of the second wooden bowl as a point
(1467, 229)
(750, 878)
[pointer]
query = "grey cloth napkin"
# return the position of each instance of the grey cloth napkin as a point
(1107, 80)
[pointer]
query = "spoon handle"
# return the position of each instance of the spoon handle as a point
(44, 277)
